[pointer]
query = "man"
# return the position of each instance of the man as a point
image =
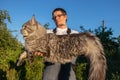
(57, 71)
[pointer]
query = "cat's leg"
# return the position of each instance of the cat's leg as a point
(22, 58)
(30, 57)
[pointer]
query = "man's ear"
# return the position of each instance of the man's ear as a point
(66, 17)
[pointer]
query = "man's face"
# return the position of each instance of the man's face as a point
(59, 18)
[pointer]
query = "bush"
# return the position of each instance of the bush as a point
(9, 70)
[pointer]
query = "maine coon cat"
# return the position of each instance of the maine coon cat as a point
(63, 48)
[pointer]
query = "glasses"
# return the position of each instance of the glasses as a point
(54, 17)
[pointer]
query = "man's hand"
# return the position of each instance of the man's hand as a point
(38, 53)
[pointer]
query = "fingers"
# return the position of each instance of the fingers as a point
(38, 54)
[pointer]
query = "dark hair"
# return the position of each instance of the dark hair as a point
(59, 9)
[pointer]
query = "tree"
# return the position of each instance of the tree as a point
(110, 43)
(119, 45)
(46, 25)
(119, 40)
(10, 48)
(7, 40)
(3, 16)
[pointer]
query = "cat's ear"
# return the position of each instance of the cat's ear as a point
(33, 20)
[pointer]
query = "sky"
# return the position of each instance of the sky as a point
(86, 13)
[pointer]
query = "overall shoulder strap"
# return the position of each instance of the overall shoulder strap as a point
(68, 31)
(54, 31)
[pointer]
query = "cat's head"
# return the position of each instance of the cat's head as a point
(32, 27)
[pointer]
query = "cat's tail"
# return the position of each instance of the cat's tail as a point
(95, 53)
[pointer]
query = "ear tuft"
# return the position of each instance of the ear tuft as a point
(33, 20)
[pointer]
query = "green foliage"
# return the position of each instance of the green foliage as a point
(35, 70)
(80, 71)
(118, 39)
(110, 43)
(81, 68)
(4, 16)
(113, 71)
(46, 25)
(6, 39)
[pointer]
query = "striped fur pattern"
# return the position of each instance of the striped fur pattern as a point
(63, 48)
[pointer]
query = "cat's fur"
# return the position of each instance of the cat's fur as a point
(63, 48)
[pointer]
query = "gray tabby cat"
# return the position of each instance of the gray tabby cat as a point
(63, 48)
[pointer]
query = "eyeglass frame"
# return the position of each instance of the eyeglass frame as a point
(54, 17)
